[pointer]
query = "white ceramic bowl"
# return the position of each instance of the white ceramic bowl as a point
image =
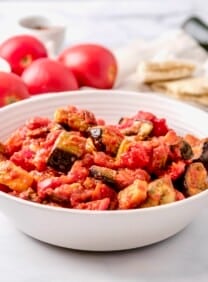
(103, 230)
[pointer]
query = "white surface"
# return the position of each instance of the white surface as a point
(182, 258)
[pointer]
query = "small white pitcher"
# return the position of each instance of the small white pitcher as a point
(50, 32)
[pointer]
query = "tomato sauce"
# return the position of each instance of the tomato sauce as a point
(78, 161)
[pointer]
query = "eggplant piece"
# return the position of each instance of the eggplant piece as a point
(68, 147)
(104, 174)
(204, 153)
(186, 150)
(118, 179)
(140, 128)
(72, 118)
(195, 180)
(133, 195)
(183, 149)
(61, 116)
(160, 192)
(106, 138)
(15, 177)
(145, 129)
(124, 146)
(90, 147)
(56, 126)
(61, 160)
(96, 137)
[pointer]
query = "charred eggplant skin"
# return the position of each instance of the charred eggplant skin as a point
(139, 128)
(72, 118)
(186, 150)
(106, 138)
(61, 160)
(104, 174)
(67, 149)
(183, 149)
(95, 134)
(195, 179)
(204, 155)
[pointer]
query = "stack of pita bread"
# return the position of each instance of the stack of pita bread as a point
(176, 78)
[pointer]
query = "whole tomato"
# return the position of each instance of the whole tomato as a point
(92, 64)
(12, 88)
(21, 50)
(47, 75)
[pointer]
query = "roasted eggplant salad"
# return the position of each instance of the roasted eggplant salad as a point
(76, 160)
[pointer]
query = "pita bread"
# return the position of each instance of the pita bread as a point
(191, 89)
(149, 72)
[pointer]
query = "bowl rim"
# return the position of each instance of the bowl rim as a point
(54, 95)
(84, 92)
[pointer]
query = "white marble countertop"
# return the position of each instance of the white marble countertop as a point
(182, 258)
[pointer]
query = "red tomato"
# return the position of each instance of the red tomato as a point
(46, 75)
(101, 205)
(12, 88)
(93, 65)
(21, 50)
(4, 188)
(160, 127)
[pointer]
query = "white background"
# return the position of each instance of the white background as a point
(111, 22)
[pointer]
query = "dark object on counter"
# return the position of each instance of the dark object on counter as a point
(198, 29)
